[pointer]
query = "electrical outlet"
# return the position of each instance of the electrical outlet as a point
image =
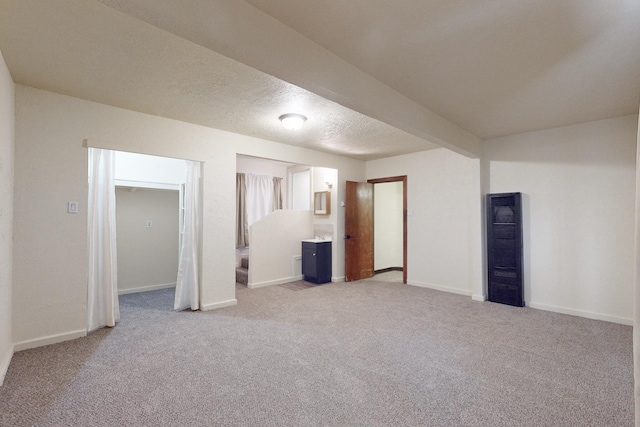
(149, 223)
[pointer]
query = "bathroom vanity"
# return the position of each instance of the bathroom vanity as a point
(316, 260)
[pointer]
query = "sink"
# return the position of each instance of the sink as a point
(318, 240)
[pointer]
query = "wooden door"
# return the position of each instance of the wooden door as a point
(358, 230)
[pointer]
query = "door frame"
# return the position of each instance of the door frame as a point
(403, 179)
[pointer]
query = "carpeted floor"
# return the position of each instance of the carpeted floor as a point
(368, 353)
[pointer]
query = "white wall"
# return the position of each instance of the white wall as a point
(147, 256)
(7, 119)
(300, 189)
(276, 255)
(443, 207)
(388, 227)
(578, 186)
(150, 169)
(51, 169)
(319, 178)
(257, 166)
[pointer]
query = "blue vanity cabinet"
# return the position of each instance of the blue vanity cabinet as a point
(316, 261)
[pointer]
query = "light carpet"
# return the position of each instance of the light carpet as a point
(367, 353)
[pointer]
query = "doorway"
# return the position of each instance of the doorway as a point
(359, 228)
(388, 231)
(158, 178)
(147, 229)
(149, 220)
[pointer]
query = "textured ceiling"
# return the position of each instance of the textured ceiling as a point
(493, 67)
(90, 51)
(376, 78)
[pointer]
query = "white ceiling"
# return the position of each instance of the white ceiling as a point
(493, 67)
(376, 78)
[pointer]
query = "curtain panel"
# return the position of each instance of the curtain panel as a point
(242, 226)
(636, 305)
(277, 193)
(102, 280)
(256, 197)
(188, 280)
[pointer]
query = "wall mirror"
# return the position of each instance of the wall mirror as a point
(322, 203)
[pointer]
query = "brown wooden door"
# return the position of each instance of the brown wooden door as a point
(358, 230)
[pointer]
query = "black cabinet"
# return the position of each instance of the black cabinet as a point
(316, 261)
(504, 248)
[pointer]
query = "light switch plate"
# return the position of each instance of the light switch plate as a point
(72, 207)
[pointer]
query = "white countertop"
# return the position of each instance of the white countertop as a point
(317, 240)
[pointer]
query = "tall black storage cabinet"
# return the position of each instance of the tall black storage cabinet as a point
(504, 248)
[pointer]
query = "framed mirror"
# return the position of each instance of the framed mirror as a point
(322, 203)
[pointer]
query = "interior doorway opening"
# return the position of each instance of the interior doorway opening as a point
(268, 251)
(392, 227)
(148, 238)
(388, 231)
(159, 201)
(360, 224)
(149, 220)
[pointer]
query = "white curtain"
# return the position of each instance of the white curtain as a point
(242, 227)
(636, 305)
(102, 304)
(259, 197)
(187, 289)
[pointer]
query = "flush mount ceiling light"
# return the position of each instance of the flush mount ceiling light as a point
(292, 121)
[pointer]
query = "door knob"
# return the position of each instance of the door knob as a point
(346, 236)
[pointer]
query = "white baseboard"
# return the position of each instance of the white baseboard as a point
(146, 288)
(221, 304)
(51, 339)
(440, 288)
(338, 279)
(581, 313)
(481, 297)
(274, 282)
(4, 364)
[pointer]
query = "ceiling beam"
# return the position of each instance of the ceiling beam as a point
(241, 32)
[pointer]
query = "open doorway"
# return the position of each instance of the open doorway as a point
(149, 220)
(260, 189)
(157, 196)
(388, 231)
(394, 208)
(272, 253)
(148, 228)
(360, 225)
(148, 225)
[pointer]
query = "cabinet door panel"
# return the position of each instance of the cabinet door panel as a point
(308, 261)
